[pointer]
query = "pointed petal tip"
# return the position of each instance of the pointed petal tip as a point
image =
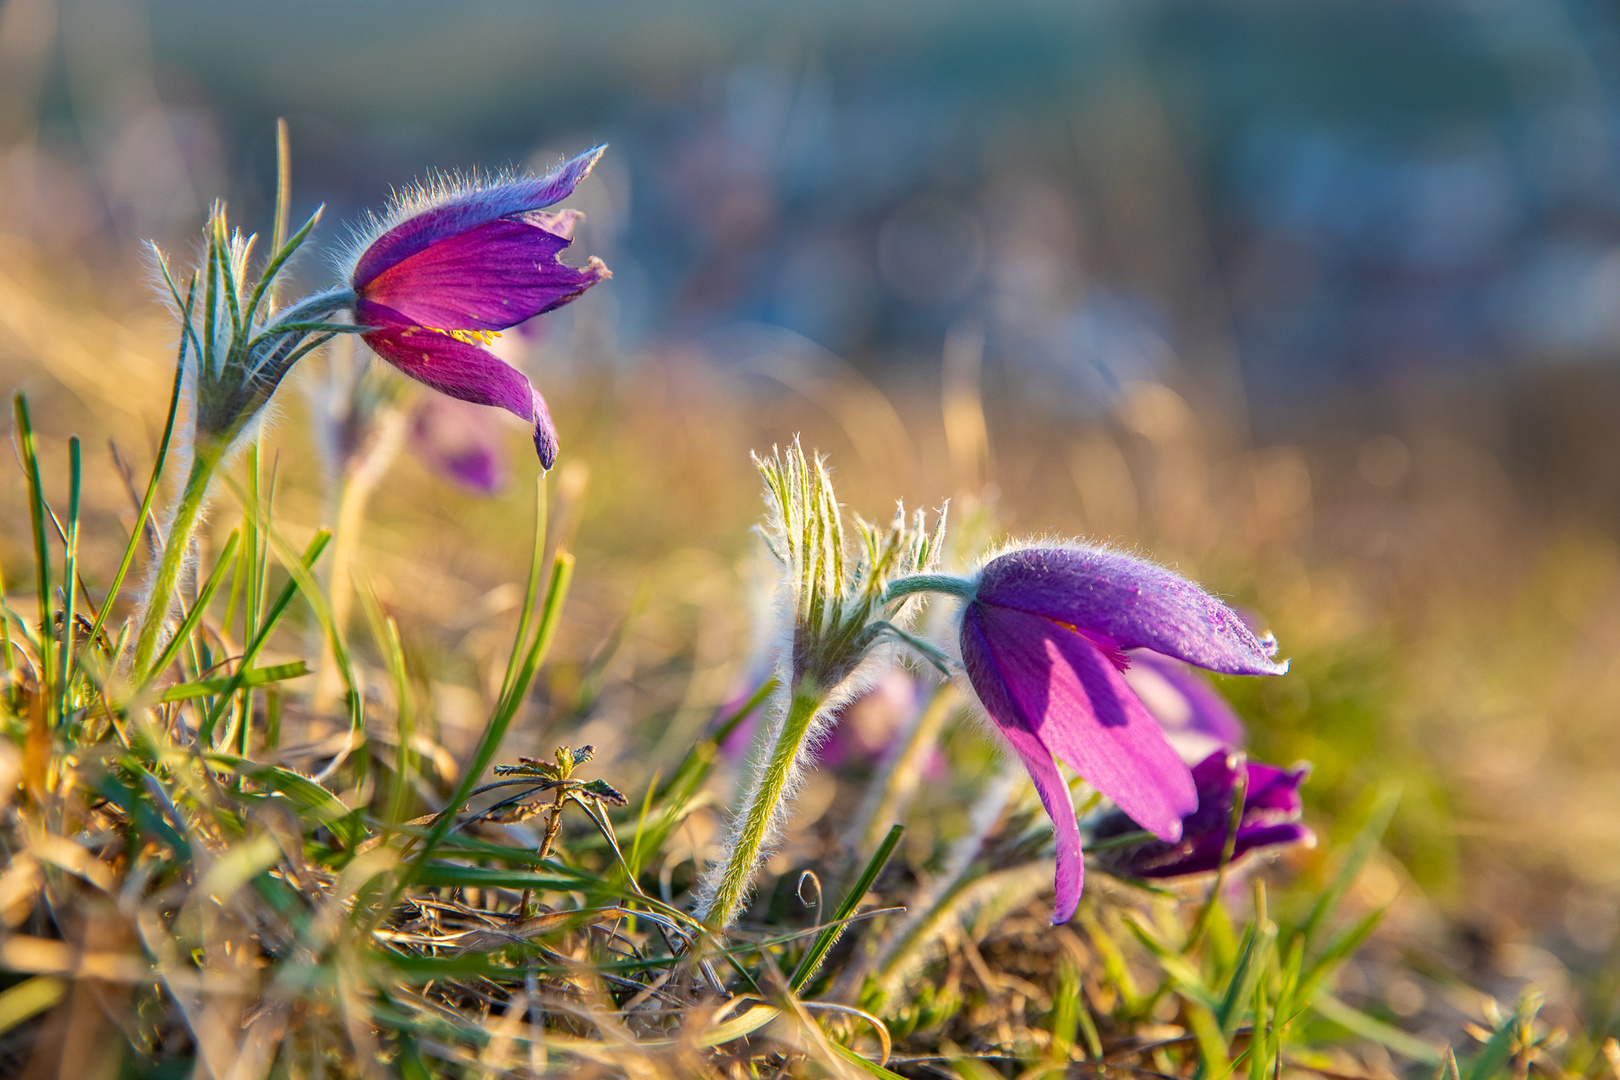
(545, 433)
(1069, 887)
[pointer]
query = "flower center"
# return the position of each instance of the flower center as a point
(471, 337)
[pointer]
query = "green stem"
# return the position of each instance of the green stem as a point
(764, 806)
(940, 583)
(160, 598)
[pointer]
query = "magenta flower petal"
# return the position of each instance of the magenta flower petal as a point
(993, 687)
(467, 210)
(1129, 601)
(487, 278)
(1076, 702)
(467, 373)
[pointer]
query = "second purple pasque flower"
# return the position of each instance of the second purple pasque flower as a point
(1270, 818)
(449, 268)
(1042, 638)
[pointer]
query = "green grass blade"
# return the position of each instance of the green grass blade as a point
(863, 884)
(531, 594)
(205, 596)
(37, 512)
(70, 560)
(505, 711)
(311, 553)
(145, 513)
(1378, 819)
(386, 632)
(1359, 1023)
(315, 802)
(1252, 962)
(256, 677)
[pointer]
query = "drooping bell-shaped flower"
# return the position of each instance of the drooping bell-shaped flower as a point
(454, 264)
(1043, 637)
(1269, 820)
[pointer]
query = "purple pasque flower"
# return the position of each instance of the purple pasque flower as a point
(452, 266)
(1270, 819)
(1043, 636)
(1195, 717)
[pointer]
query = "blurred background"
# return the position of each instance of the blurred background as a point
(1318, 303)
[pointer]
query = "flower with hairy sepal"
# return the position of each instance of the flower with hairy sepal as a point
(841, 620)
(452, 265)
(1042, 637)
(234, 348)
(1268, 820)
(836, 596)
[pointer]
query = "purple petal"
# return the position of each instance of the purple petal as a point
(1195, 716)
(1275, 790)
(1081, 709)
(1204, 853)
(467, 373)
(487, 278)
(1131, 601)
(466, 211)
(985, 673)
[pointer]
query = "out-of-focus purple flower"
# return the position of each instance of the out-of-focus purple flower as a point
(456, 441)
(861, 732)
(1195, 717)
(1270, 819)
(1043, 638)
(453, 265)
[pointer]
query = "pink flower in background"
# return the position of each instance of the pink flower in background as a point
(1043, 638)
(454, 265)
(862, 731)
(455, 440)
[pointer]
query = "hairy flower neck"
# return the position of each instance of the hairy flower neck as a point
(939, 583)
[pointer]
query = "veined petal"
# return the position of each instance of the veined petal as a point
(464, 371)
(1081, 709)
(487, 278)
(438, 219)
(1131, 601)
(985, 673)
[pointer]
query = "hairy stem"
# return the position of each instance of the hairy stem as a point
(753, 827)
(182, 524)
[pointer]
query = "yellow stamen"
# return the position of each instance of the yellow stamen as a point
(471, 337)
